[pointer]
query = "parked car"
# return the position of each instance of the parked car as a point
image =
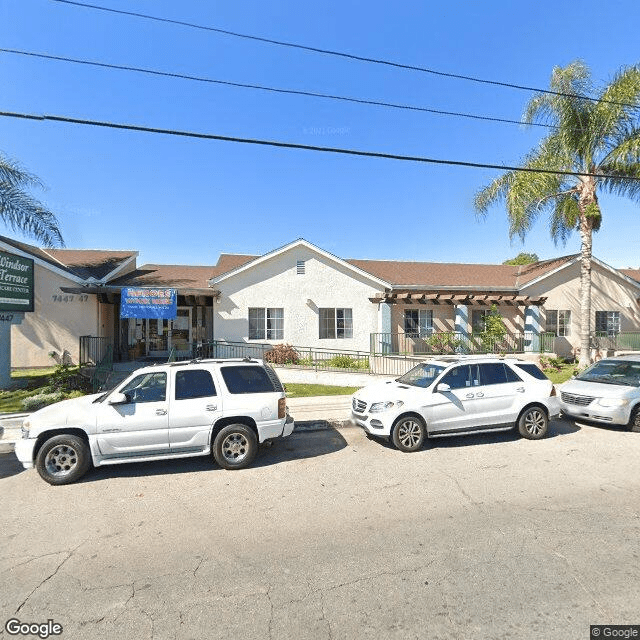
(178, 410)
(454, 395)
(607, 392)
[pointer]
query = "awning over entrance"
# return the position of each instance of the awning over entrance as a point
(479, 299)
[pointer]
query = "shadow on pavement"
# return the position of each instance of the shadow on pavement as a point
(557, 427)
(298, 446)
(9, 465)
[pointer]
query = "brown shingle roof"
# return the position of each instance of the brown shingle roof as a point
(634, 274)
(84, 263)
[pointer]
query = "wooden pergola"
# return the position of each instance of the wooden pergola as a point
(478, 299)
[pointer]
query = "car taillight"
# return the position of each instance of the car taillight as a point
(282, 408)
(553, 390)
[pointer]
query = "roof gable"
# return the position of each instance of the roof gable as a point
(257, 261)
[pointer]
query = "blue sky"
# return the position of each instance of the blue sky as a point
(186, 201)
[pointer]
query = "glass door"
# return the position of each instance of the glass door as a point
(180, 334)
(158, 337)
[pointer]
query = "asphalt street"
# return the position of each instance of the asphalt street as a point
(332, 535)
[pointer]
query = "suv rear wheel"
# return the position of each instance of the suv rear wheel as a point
(634, 422)
(409, 433)
(235, 446)
(533, 423)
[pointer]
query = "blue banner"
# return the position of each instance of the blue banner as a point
(149, 303)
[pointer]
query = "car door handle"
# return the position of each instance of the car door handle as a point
(480, 395)
(520, 389)
(161, 412)
(212, 407)
(469, 395)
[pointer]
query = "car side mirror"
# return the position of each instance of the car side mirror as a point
(118, 398)
(443, 387)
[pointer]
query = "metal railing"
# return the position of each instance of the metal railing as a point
(93, 349)
(621, 341)
(459, 343)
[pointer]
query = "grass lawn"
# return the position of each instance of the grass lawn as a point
(297, 390)
(24, 384)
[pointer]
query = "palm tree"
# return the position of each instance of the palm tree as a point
(20, 211)
(599, 137)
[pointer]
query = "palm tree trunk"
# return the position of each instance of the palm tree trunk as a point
(587, 197)
(585, 291)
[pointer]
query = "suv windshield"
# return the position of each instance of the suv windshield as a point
(613, 372)
(422, 375)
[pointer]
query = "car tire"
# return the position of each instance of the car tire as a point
(634, 421)
(409, 433)
(235, 446)
(63, 459)
(533, 423)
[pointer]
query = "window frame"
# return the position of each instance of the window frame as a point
(263, 317)
(424, 325)
(329, 323)
(560, 325)
(612, 318)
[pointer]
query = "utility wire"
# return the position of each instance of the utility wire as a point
(304, 147)
(312, 94)
(341, 54)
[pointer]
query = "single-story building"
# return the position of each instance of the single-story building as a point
(303, 295)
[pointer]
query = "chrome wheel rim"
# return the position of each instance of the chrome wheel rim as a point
(235, 447)
(409, 433)
(534, 422)
(61, 460)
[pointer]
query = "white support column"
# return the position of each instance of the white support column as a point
(7, 318)
(532, 328)
(383, 343)
(462, 321)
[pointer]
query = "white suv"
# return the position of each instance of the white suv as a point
(458, 395)
(179, 410)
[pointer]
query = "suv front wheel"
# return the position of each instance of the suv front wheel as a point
(63, 459)
(533, 423)
(235, 446)
(408, 433)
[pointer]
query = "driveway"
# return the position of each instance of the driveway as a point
(332, 535)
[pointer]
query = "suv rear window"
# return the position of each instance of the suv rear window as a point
(194, 383)
(247, 380)
(532, 370)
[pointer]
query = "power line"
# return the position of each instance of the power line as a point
(312, 94)
(292, 145)
(341, 54)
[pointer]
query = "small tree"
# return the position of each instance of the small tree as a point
(494, 329)
(523, 258)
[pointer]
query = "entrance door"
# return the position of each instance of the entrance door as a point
(180, 332)
(158, 337)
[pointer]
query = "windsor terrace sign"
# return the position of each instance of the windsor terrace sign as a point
(149, 303)
(16, 283)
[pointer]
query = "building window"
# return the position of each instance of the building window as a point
(608, 322)
(418, 321)
(558, 322)
(336, 323)
(266, 324)
(477, 319)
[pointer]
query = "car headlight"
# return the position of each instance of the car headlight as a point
(377, 407)
(612, 402)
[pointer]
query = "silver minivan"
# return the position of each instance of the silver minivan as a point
(607, 392)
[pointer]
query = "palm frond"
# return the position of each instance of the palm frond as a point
(21, 212)
(620, 184)
(14, 174)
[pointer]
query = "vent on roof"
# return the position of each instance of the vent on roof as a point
(300, 267)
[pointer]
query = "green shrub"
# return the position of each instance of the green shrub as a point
(344, 361)
(33, 403)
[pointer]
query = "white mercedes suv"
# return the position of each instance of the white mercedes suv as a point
(179, 410)
(454, 395)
